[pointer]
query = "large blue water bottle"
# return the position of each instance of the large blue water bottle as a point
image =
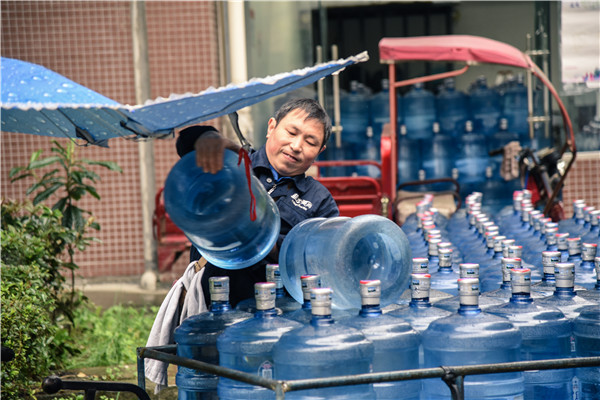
(586, 331)
(248, 346)
(324, 348)
(546, 335)
(452, 108)
(380, 109)
(472, 159)
(584, 272)
(439, 154)
(354, 114)
(593, 294)
(213, 210)
(419, 112)
(344, 251)
(485, 107)
(196, 338)
(369, 150)
(514, 107)
(473, 337)
(409, 157)
(395, 342)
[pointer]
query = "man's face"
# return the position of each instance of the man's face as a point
(294, 143)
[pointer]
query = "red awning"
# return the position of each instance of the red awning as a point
(464, 48)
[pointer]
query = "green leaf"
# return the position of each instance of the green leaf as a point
(113, 166)
(91, 190)
(34, 156)
(46, 193)
(15, 170)
(27, 175)
(60, 204)
(43, 162)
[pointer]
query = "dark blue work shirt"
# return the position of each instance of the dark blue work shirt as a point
(297, 197)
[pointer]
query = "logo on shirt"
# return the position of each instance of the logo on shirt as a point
(298, 202)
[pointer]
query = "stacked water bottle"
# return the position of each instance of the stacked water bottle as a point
(474, 297)
(448, 134)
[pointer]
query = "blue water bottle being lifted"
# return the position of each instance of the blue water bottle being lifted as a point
(214, 211)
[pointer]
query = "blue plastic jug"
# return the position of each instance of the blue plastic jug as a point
(452, 108)
(485, 107)
(196, 338)
(546, 335)
(324, 348)
(409, 157)
(419, 112)
(514, 107)
(343, 251)
(354, 114)
(586, 331)
(473, 337)
(396, 343)
(213, 210)
(248, 346)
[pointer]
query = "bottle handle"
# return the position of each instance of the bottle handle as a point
(244, 154)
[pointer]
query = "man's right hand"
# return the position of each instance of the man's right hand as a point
(210, 148)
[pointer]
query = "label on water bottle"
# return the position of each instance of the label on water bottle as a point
(266, 370)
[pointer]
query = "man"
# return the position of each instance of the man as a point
(296, 135)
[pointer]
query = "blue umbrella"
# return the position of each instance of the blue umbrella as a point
(38, 101)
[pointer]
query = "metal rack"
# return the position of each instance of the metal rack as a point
(453, 376)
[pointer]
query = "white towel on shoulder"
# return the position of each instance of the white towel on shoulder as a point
(162, 332)
(194, 299)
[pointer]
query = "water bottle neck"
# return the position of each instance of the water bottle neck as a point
(574, 257)
(506, 285)
(587, 264)
(420, 303)
(469, 309)
(321, 320)
(564, 293)
(279, 293)
(306, 305)
(218, 307)
(521, 298)
(548, 278)
(497, 255)
(552, 247)
(370, 311)
(270, 313)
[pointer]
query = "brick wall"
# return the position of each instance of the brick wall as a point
(91, 43)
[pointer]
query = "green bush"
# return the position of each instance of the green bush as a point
(38, 248)
(27, 328)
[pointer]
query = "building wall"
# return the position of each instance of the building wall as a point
(91, 43)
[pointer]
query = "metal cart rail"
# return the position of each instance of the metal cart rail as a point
(453, 376)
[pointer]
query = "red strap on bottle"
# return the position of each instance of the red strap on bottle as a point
(244, 154)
